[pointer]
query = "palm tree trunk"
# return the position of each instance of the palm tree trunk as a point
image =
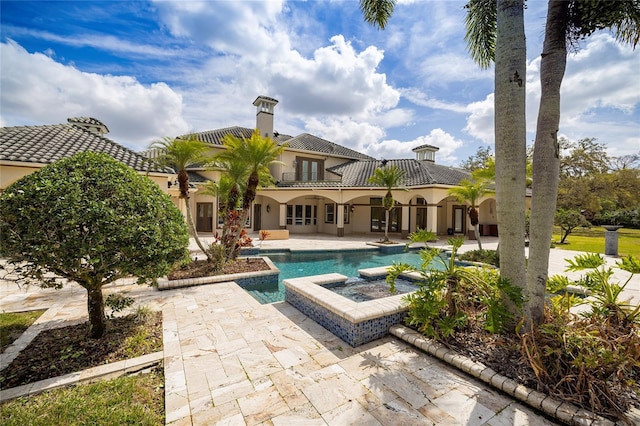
(386, 225)
(510, 133)
(193, 230)
(546, 159)
(476, 231)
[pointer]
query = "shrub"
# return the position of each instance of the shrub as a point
(451, 295)
(490, 257)
(92, 220)
(584, 358)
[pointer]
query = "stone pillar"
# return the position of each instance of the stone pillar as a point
(611, 240)
(405, 222)
(282, 219)
(340, 221)
(432, 218)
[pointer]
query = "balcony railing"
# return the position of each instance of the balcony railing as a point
(291, 177)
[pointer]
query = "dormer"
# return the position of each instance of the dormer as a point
(426, 153)
(264, 115)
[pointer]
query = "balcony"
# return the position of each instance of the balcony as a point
(328, 177)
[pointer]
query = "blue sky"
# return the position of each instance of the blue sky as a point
(155, 69)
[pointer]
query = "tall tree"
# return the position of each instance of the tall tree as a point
(495, 32)
(471, 192)
(478, 160)
(181, 153)
(256, 153)
(567, 22)
(390, 178)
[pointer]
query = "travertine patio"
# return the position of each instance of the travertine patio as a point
(229, 360)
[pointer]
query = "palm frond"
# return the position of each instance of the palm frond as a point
(481, 30)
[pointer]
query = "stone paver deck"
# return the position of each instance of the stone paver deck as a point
(229, 360)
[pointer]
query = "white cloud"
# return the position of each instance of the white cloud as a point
(35, 86)
(392, 149)
(599, 94)
(420, 98)
(480, 123)
(356, 135)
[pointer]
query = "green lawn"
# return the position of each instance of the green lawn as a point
(12, 325)
(592, 240)
(128, 400)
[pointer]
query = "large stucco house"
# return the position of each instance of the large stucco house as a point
(322, 187)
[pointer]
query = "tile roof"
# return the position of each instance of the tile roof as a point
(49, 143)
(308, 142)
(417, 148)
(418, 173)
(304, 142)
(215, 137)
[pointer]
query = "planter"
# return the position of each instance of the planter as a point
(242, 279)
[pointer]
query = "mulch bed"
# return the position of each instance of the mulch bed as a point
(203, 268)
(66, 350)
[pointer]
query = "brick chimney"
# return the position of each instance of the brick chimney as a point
(264, 115)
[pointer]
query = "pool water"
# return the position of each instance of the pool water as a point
(361, 290)
(302, 264)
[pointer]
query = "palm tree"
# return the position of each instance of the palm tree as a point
(471, 192)
(495, 32)
(181, 153)
(255, 155)
(389, 177)
(567, 21)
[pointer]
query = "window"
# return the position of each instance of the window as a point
(315, 215)
(289, 215)
(458, 219)
(378, 217)
(346, 213)
(309, 169)
(298, 214)
(329, 213)
(307, 215)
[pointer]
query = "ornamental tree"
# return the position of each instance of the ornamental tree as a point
(89, 219)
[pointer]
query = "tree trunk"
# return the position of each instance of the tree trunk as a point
(510, 134)
(386, 225)
(476, 231)
(546, 159)
(95, 307)
(193, 230)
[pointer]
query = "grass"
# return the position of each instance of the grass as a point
(13, 324)
(58, 351)
(592, 240)
(127, 400)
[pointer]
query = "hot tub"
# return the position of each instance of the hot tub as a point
(356, 323)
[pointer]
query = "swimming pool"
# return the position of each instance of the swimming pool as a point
(302, 264)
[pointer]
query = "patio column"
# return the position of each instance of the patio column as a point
(432, 218)
(405, 222)
(282, 220)
(340, 221)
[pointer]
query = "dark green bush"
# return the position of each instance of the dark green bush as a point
(490, 257)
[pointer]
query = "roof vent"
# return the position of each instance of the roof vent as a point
(89, 123)
(426, 153)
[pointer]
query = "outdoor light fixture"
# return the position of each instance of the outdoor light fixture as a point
(268, 208)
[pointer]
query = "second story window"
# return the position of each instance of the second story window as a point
(309, 169)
